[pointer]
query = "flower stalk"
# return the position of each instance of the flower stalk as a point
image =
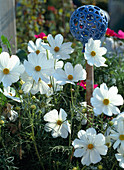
(33, 139)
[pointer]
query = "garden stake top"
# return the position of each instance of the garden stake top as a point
(87, 22)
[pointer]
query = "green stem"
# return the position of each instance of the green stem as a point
(33, 139)
(47, 55)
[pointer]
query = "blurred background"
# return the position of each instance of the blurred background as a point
(52, 16)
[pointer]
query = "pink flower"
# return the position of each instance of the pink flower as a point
(51, 8)
(120, 34)
(42, 35)
(110, 32)
(83, 84)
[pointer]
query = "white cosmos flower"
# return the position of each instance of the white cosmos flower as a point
(120, 156)
(119, 118)
(37, 47)
(105, 100)
(31, 86)
(59, 50)
(70, 74)
(38, 66)
(89, 146)
(57, 123)
(13, 116)
(10, 69)
(53, 87)
(118, 135)
(93, 53)
(10, 93)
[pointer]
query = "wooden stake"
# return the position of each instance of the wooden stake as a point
(89, 85)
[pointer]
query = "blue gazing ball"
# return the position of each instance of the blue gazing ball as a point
(88, 21)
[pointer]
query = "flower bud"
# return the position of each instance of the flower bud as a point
(1, 122)
(100, 167)
(20, 91)
(110, 123)
(17, 108)
(33, 107)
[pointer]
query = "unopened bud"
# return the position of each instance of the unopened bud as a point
(100, 167)
(33, 97)
(20, 91)
(17, 108)
(33, 107)
(22, 82)
(1, 122)
(110, 123)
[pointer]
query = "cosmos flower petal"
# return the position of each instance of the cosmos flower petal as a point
(38, 41)
(116, 144)
(116, 100)
(26, 87)
(4, 58)
(66, 125)
(31, 46)
(86, 159)
(55, 134)
(91, 131)
(114, 109)
(102, 149)
(49, 126)
(79, 73)
(66, 47)
(78, 143)
(107, 110)
(51, 116)
(95, 156)
(68, 69)
(58, 40)
(62, 115)
(99, 140)
(79, 152)
(63, 132)
(60, 74)
(51, 41)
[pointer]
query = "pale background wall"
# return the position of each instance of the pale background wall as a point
(8, 22)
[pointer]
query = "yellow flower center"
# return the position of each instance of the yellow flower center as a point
(121, 137)
(56, 49)
(106, 101)
(50, 85)
(45, 38)
(37, 52)
(59, 122)
(93, 53)
(70, 77)
(37, 68)
(10, 94)
(90, 146)
(6, 71)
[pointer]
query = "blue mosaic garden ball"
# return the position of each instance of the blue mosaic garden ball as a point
(88, 21)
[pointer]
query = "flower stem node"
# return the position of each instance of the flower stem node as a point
(33, 107)
(100, 167)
